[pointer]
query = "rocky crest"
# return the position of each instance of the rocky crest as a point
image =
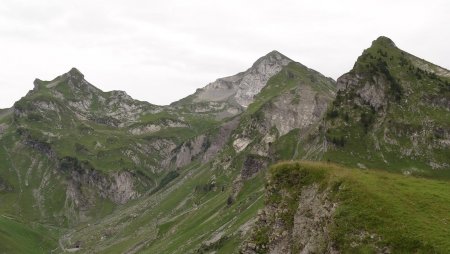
(242, 87)
(115, 108)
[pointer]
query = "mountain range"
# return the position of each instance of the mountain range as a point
(275, 159)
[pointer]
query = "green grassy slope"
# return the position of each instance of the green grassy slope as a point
(195, 211)
(95, 136)
(182, 217)
(203, 208)
(47, 135)
(20, 237)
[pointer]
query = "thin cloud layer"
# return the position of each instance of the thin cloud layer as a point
(162, 51)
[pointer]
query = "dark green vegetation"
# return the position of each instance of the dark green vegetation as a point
(375, 209)
(98, 172)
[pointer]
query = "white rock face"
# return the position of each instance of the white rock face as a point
(373, 92)
(151, 128)
(313, 220)
(290, 112)
(242, 88)
(122, 187)
(257, 78)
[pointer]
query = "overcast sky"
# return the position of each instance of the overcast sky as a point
(161, 51)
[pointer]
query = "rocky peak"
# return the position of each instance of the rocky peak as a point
(73, 78)
(257, 76)
(87, 102)
(272, 58)
(241, 88)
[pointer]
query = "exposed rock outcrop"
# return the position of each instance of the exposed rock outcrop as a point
(220, 139)
(309, 231)
(189, 150)
(372, 92)
(118, 187)
(312, 222)
(299, 109)
(155, 127)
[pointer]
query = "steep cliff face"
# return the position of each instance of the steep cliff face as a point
(309, 230)
(294, 100)
(299, 109)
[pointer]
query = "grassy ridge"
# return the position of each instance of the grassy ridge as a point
(408, 214)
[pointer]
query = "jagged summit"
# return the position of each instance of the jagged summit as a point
(69, 86)
(74, 86)
(72, 92)
(72, 77)
(73, 74)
